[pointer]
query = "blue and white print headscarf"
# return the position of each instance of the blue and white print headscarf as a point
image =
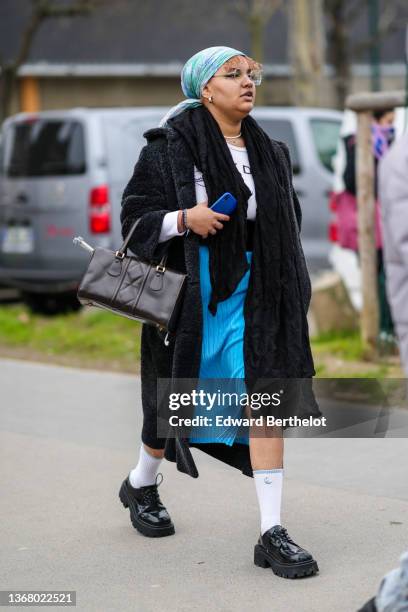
(197, 71)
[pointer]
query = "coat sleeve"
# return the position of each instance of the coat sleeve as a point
(394, 199)
(296, 203)
(145, 197)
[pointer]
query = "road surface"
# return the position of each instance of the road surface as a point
(69, 437)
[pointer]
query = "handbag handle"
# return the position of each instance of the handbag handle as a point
(120, 254)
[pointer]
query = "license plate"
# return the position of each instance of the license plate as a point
(17, 239)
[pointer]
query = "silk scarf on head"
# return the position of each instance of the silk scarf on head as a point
(197, 71)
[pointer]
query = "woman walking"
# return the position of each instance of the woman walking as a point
(248, 289)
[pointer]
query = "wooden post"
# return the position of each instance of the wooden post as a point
(366, 233)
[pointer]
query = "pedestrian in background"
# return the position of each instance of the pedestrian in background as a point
(382, 136)
(393, 191)
(392, 594)
(244, 314)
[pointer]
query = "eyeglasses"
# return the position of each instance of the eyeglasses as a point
(237, 74)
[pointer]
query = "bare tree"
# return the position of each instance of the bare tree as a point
(41, 11)
(306, 51)
(256, 14)
(340, 15)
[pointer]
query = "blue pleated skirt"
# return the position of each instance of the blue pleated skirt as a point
(222, 356)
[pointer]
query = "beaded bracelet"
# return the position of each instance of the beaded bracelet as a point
(180, 222)
(184, 211)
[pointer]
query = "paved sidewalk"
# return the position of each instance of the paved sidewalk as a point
(68, 438)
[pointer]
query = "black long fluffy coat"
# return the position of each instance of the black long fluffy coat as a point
(162, 181)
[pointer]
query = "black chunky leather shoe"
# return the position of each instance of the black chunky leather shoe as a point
(147, 513)
(277, 550)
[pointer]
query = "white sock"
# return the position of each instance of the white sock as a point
(268, 485)
(145, 472)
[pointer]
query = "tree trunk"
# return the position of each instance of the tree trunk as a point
(256, 31)
(7, 87)
(338, 51)
(306, 51)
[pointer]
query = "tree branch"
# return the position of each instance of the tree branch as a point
(81, 7)
(352, 14)
(333, 8)
(387, 28)
(45, 9)
(27, 37)
(263, 9)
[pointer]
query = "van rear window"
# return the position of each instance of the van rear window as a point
(44, 147)
(282, 129)
(325, 134)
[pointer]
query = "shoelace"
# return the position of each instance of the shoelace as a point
(151, 496)
(283, 532)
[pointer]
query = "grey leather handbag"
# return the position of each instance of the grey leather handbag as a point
(132, 287)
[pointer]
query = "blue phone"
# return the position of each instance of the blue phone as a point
(226, 204)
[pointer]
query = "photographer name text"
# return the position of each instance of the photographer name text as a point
(229, 421)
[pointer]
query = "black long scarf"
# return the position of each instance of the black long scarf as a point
(276, 332)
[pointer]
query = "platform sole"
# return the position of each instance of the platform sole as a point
(295, 570)
(141, 526)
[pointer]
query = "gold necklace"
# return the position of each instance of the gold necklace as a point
(232, 137)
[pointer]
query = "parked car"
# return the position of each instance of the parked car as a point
(64, 173)
(345, 261)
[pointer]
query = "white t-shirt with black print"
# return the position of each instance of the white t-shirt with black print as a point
(240, 158)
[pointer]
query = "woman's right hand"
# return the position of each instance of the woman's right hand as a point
(203, 221)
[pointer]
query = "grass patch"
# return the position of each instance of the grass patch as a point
(341, 355)
(98, 339)
(89, 336)
(344, 344)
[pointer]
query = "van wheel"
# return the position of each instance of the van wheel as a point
(52, 303)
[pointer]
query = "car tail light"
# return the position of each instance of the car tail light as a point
(333, 231)
(100, 210)
(333, 201)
